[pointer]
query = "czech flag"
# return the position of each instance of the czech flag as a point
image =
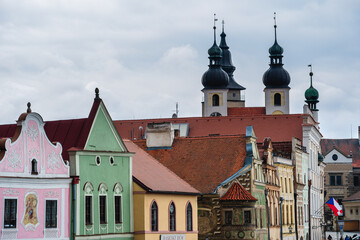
(335, 207)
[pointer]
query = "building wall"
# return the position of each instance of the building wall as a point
(104, 169)
(208, 107)
(305, 168)
(32, 186)
(269, 101)
(142, 214)
(285, 171)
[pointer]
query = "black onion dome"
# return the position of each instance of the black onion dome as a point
(276, 77)
(215, 51)
(276, 49)
(215, 77)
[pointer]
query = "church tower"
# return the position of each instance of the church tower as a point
(312, 96)
(276, 80)
(215, 81)
(234, 98)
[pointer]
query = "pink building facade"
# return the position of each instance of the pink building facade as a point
(34, 184)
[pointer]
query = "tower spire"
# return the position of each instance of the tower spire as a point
(310, 74)
(275, 26)
(215, 19)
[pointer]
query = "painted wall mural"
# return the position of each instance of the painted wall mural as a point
(30, 219)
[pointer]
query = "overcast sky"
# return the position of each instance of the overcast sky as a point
(145, 56)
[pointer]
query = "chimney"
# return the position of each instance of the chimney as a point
(159, 135)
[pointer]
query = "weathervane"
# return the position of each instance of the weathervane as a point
(223, 22)
(311, 74)
(275, 26)
(215, 19)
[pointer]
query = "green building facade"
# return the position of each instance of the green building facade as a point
(102, 205)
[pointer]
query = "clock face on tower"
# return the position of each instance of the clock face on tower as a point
(215, 114)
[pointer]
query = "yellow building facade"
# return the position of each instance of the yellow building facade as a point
(285, 171)
(144, 222)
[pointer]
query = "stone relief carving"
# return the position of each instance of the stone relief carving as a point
(53, 161)
(11, 192)
(32, 133)
(51, 193)
(14, 160)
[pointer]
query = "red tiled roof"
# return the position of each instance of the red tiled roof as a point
(346, 146)
(246, 111)
(203, 162)
(282, 149)
(237, 192)
(70, 133)
(278, 127)
(154, 176)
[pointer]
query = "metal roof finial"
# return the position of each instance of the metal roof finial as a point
(28, 110)
(215, 19)
(275, 26)
(310, 74)
(97, 98)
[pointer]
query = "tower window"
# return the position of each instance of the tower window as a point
(277, 99)
(215, 100)
(34, 167)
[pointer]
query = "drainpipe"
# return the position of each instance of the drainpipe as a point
(295, 209)
(309, 208)
(267, 211)
(76, 181)
(281, 199)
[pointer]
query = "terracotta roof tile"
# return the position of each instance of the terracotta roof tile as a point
(70, 133)
(246, 111)
(237, 192)
(209, 160)
(346, 146)
(278, 127)
(153, 175)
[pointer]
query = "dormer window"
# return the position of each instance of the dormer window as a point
(34, 167)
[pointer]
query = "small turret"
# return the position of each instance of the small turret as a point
(311, 94)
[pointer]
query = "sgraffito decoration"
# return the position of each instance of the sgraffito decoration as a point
(30, 219)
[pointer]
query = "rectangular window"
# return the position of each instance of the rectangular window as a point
(332, 180)
(356, 181)
(102, 209)
(247, 217)
(228, 217)
(51, 214)
(10, 213)
(338, 180)
(118, 209)
(88, 210)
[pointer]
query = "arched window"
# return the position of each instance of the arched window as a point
(154, 217)
(172, 217)
(34, 167)
(88, 192)
(103, 203)
(277, 99)
(118, 203)
(215, 100)
(189, 225)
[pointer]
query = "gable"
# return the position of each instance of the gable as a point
(32, 144)
(103, 135)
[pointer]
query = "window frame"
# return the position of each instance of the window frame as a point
(189, 217)
(16, 213)
(154, 223)
(46, 213)
(277, 99)
(116, 212)
(172, 216)
(215, 100)
(248, 217)
(104, 208)
(91, 209)
(228, 217)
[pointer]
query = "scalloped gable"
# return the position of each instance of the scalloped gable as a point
(102, 135)
(28, 143)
